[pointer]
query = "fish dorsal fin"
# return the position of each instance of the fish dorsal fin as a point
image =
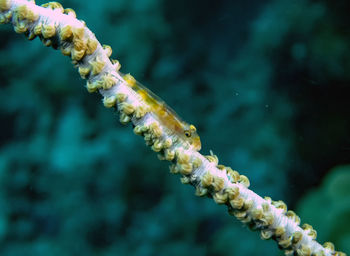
(150, 97)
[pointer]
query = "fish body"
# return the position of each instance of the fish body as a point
(166, 115)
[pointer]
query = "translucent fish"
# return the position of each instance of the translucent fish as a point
(166, 115)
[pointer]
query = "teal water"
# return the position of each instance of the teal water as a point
(265, 82)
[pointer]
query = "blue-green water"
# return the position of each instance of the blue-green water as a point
(267, 83)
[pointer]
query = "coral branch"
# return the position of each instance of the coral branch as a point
(59, 28)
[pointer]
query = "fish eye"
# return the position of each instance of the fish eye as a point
(187, 134)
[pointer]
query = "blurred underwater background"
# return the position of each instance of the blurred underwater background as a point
(267, 83)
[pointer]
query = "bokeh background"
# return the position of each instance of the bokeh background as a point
(265, 82)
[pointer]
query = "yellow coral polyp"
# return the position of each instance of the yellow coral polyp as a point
(141, 111)
(257, 214)
(292, 215)
(77, 55)
(168, 143)
(212, 158)
(267, 219)
(126, 108)
(280, 231)
(4, 18)
(207, 179)
(84, 71)
(304, 251)
(240, 215)
(107, 49)
(121, 97)
(124, 119)
(21, 12)
(66, 51)
(156, 130)
(91, 46)
(183, 157)
(24, 13)
(70, 12)
(234, 176)
(157, 146)
(110, 101)
(169, 155)
(218, 184)
(237, 203)
(148, 138)
(185, 168)
(232, 192)
(79, 44)
(53, 6)
(297, 236)
(48, 30)
(244, 181)
(47, 42)
(38, 29)
(4, 5)
(20, 27)
(286, 242)
(220, 198)
(328, 245)
(173, 169)
(91, 86)
(185, 180)
(266, 234)
(138, 129)
(280, 205)
(116, 65)
(96, 66)
(196, 162)
(106, 82)
(78, 32)
(200, 191)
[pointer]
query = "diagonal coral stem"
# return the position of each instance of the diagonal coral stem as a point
(59, 28)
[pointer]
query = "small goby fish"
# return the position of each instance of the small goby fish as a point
(165, 114)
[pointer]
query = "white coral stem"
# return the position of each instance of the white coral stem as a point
(59, 28)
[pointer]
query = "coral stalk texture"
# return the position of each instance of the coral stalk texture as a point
(59, 28)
